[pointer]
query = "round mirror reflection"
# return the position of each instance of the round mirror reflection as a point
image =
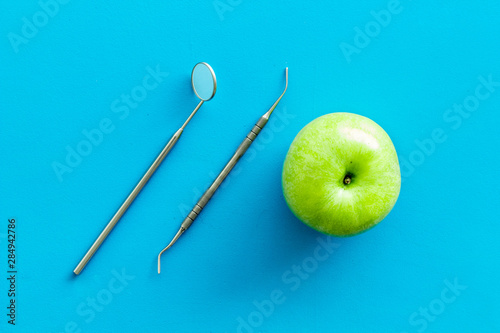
(203, 81)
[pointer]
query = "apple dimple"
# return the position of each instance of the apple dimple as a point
(348, 178)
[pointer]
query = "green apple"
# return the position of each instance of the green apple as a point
(341, 174)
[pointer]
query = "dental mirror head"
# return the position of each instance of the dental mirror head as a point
(203, 81)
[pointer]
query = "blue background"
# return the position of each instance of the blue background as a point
(405, 75)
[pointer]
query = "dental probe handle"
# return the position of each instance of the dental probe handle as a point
(220, 178)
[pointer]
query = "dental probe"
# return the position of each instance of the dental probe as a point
(229, 166)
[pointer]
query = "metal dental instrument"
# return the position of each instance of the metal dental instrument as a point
(204, 85)
(229, 166)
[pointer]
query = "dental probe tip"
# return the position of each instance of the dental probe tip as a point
(268, 113)
(176, 237)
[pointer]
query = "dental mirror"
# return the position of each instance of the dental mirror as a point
(204, 85)
(203, 81)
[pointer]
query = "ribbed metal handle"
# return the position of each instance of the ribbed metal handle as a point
(223, 174)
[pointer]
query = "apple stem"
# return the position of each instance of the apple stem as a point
(347, 179)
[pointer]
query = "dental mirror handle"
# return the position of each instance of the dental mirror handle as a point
(123, 208)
